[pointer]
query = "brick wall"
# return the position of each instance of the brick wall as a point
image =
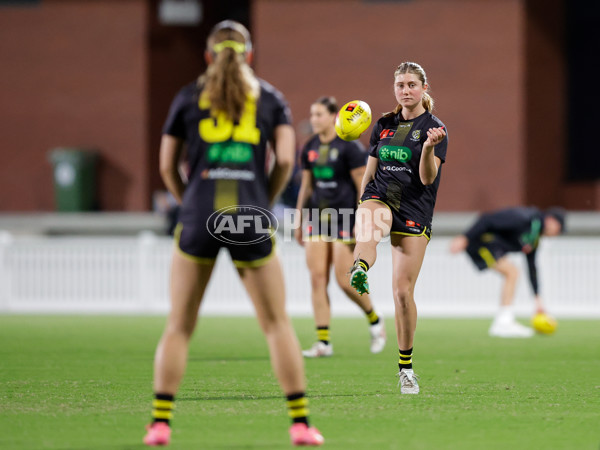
(73, 74)
(472, 52)
(100, 74)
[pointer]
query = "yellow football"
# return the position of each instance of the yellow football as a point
(352, 120)
(543, 323)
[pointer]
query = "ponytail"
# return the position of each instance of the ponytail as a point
(225, 84)
(228, 80)
(427, 102)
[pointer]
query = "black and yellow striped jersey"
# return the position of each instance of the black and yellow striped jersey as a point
(397, 144)
(330, 165)
(227, 160)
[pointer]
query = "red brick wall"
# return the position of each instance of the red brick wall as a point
(472, 52)
(73, 74)
(100, 74)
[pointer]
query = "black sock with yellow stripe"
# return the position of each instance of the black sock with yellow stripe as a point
(372, 317)
(405, 360)
(298, 407)
(162, 407)
(362, 263)
(323, 334)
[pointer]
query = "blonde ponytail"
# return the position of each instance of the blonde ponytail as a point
(427, 102)
(228, 80)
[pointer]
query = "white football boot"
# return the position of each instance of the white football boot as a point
(505, 325)
(318, 350)
(378, 336)
(509, 329)
(409, 382)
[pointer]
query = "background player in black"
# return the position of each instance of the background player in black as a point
(332, 171)
(497, 233)
(408, 147)
(225, 121)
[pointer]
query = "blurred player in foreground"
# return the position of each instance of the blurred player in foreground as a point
(407, 148)
(332, 171)
(494, 235)
(226, 120)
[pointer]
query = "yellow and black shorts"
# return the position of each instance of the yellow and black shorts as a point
(402, 224)
(198, 245)
(486, 251)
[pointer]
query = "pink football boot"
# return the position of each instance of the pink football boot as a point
(300, 434)
(159, 433)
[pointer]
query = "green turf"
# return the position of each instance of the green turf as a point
(70, 382)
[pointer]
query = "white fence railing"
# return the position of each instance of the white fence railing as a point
(130, 275)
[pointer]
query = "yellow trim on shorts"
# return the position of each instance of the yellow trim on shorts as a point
(256, 262)
(487, 256)
(398, 232)
(413, 235)
(192, 258)
(375, 200)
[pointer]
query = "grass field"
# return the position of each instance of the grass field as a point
(69, 382)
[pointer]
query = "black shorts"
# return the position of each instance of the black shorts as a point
(486, 251)
(197, 244)
(334, 227)
(401, 224)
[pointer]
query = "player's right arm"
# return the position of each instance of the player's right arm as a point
(369, 174)
(170, 154)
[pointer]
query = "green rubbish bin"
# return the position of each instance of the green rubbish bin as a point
(74, 179)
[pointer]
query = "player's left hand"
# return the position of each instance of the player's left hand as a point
(539, 305)
(458, 244)
(434, 137)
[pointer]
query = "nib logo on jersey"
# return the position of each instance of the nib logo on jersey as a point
(323, 172)
(242, 224)
(229, 154)
(391, 153)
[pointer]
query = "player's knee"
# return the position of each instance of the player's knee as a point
(183, 329)
(318, 279)
(273, 322)
(403, 295)
(512, 272)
